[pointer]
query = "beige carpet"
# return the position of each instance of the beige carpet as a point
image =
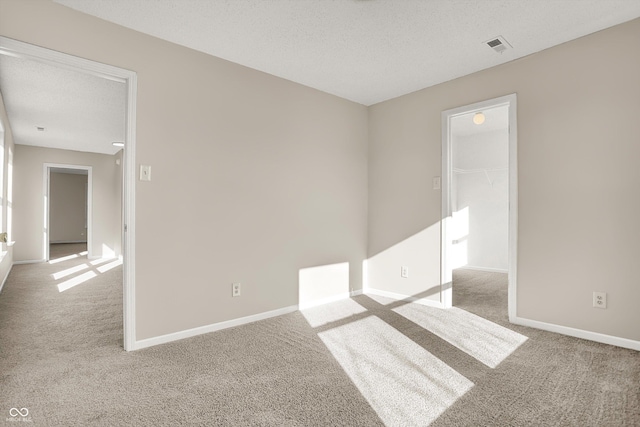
(360, 362)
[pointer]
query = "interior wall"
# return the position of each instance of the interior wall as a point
(67, 207)
(29, 199)
(480, 163)
(6, 254)
(254, 177)
(578, 148)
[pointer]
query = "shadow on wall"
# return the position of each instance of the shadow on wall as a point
(409, 269)
(412, 267)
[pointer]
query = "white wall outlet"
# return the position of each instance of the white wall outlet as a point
(600, 299)
(145, 173)
(404, 271)
(235, 289)
(436, 182)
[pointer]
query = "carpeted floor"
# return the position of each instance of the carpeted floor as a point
(366, 361)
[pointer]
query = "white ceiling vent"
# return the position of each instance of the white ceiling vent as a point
(499, 44)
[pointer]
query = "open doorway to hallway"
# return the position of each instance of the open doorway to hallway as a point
(67, 111)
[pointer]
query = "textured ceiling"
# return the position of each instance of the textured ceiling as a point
(364, 50)
(77, 111)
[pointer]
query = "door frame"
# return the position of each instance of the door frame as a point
(24, 50)
(47, 205)
(446, 275)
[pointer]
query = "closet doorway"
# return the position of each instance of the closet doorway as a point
(479, 192)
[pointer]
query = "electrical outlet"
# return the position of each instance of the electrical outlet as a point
(600, 299)
(404, 271)
(235, 289)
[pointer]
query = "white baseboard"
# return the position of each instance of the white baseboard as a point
(487, 269)
(29, 261)
(5, 278)
(162, 339)
(401, 297)
(578, 333)
(327, 300)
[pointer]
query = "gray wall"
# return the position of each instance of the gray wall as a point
(67, 207)
(578, 150)
(29, 199)
(254, 177)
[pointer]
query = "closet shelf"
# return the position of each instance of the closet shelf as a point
(485, 171)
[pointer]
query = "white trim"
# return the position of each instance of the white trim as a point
(19, 49)
(128, 246)
(577, 333)
(487, 269)
(47, 193)
(446, 272)
(29, 261)
(447, 170)
(409, 298)
(356, 293)
(512, 278)
(6, 277)
(163, 339)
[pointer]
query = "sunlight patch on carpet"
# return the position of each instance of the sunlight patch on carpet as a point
(69, 271)
(107, 267)
(66, 285)
(68, 257)
(403, 382)
(321, 315)
(480, 338)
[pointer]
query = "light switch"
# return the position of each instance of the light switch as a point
(145, 173)
(436, 182)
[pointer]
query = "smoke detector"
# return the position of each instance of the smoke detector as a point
(499, 44)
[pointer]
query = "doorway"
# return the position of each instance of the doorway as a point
(68, 207)
(479, 192)
(17, 49)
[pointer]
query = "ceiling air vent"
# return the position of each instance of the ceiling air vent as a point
(499, 44)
